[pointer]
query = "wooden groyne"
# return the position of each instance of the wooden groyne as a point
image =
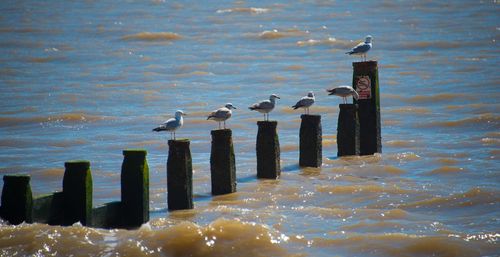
(358, 133)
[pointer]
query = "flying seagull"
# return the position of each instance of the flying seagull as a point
(265, 106)
(171, 125)
(305, 102)
(222, 114)
(362, 48)
(344, 92)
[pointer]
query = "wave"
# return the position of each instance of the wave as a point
(488, 119)
(446, 170)
(473, 197)
(361, 189)
(331, 41)
(409, 110)
(406, 156)
(251, 10)
(77, 117)
(437, 98)
(400, 244)
(153, 36)
(275, 34)
(45, 59)
(220, 238)
(419, 45)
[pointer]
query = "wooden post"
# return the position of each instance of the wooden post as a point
(268, 150)
(135, 188)
(348, 130)
(77, 193)
(179, 175)
(222, 162)
(17, 199)
(310, 141)
(365, 82)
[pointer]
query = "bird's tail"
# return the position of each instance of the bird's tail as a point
(295, 107)
(331, 91)
(210, 116)
(350, 52)
(252, 108)
(158, 129)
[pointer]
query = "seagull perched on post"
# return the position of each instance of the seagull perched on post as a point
(305, 102)
(343, 91)
(222, 114)
(171, 125)
(265, 106)
(362, 48)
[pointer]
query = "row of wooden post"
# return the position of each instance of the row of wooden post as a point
(358, 132)
(74, 203)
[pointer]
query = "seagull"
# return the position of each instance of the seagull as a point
(172, 124)
(362, 48)
(305, 102)
(222, 114)
(343, 91)
(265, 106)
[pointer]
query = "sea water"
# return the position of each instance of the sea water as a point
(87, 79)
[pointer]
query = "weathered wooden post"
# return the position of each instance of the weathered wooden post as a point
(365, 82)
(135, 188)
(348, 130)
(268, 150)
(179, 175)
(310, 141)
(17, 199)
(77, 193)
(222, 162)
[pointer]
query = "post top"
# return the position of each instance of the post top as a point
(368, 63)
(135, 152)
(17, 177)
(182, 141)
(83, 164)
(221, 132)
(310, 116)
(267, 122)
(365, 66)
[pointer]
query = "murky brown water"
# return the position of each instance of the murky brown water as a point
(87, 79)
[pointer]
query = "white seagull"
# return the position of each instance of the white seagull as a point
(343, 91)
(305, 102)
(171, 125)
(265, 106)
(362, 48)
(222, 114)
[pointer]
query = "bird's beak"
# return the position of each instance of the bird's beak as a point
(234, 107)
(184, 114)
(278, 97)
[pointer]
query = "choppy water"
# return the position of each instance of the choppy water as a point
(87, 79)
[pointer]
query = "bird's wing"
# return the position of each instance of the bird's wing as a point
(304, 102)
(266, 104)
(222, 113)
(361, 48)
(344, 90)
(170, 124)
